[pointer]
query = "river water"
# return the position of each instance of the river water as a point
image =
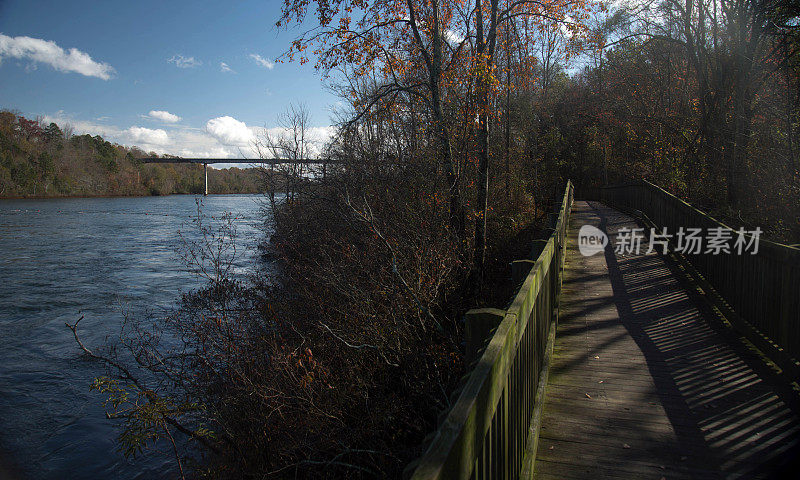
(63, 258)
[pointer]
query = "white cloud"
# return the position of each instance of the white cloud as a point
(147, 136)
(225, 68)
(44, 51)
(453, 37)
(230, 131)
(223, 137)
(184, 62)
(264, 62)
(163, 116)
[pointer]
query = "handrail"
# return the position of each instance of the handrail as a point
(487, 433)
(762, 289)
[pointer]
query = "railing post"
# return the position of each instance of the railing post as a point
(478, 325)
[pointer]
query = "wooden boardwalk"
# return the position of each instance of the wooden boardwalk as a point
(646, 383)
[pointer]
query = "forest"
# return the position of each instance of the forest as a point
(462, 122)
(38, 160)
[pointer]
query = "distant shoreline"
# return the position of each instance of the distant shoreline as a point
(57, 197)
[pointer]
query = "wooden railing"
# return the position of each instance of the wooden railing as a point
(763, 289)
(491, 431)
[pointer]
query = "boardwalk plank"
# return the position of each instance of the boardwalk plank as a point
(677, 399)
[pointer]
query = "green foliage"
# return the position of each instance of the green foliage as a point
(53, 133)
(146, 414)
(45, 164)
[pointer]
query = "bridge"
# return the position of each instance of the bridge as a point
(254, 161)
(627, 364)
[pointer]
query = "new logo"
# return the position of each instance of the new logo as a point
(591, 240)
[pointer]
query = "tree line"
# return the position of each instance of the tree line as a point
(38, 160)
(701, 97)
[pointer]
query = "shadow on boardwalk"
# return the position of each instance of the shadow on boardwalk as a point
(644, 386)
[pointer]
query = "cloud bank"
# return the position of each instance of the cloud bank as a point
(147, 136)
(222, 137)
(163, 116)
(230, 132)
(48, 52)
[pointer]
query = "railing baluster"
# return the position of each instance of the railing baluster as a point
(757, 288)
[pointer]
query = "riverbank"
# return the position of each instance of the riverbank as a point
(65, 196)
(38, 161)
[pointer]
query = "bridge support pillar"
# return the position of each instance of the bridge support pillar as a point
(205, 174)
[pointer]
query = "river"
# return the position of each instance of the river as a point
(63, 258)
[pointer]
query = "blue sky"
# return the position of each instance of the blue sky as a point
(138, 57)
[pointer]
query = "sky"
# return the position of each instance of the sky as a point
(189, 78)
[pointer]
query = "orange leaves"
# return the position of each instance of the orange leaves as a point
(308, 369)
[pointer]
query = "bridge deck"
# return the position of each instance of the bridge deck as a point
(645, 384)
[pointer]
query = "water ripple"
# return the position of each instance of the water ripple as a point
(92, 256)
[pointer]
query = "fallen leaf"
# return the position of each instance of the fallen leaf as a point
(597, 357)
(625, 445)
(600, 381)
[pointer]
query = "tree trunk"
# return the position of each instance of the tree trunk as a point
(456, 220)
(485, 49)
(508, 116)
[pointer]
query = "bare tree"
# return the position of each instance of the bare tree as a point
(291, 143)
